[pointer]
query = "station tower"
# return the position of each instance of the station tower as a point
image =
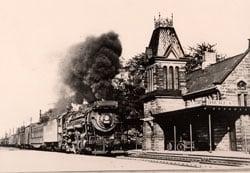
(165, 79)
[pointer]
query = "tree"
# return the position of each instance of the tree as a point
(197, 53)
(136, 69)
(129, 87)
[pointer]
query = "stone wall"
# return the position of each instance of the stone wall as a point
(229, 91)
(228, 88)
(160, 82)
(147, 136)
(158, 75)
(157, 138)
(221, 128)
(244, 134)
(154, 135)
(163, 104)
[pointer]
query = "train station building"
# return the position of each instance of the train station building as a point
(207, 109)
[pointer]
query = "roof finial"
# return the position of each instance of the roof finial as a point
(163, 22)
(172, 18)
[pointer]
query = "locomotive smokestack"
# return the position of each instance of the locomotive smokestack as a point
(40, 114)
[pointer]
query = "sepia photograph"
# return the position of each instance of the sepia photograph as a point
(124, 86)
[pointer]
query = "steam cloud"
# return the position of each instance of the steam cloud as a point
(90, 66)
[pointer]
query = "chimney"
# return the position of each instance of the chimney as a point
(149, 52)
(208, 59)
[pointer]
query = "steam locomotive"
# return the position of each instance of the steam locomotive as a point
(95, 128)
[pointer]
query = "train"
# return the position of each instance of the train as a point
(91, 129)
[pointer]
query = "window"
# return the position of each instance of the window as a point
(165, 77)
(150, 79)
(245, 99)
(176, 80)
(242, 93)
(239, 100)
(171, 78)
(242, 85)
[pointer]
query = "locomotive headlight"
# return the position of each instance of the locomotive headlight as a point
(106, 119)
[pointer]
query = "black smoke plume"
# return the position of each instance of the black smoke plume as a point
(90, 66)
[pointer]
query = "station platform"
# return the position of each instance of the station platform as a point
(223, 158)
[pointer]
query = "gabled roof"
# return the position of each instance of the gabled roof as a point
(205, 79)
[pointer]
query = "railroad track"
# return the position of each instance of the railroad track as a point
(192, 159)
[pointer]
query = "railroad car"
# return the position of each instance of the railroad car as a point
(5, 141)
(12, 140)
(27, 136)
(35, 135)
(21, 136)
(52, 134)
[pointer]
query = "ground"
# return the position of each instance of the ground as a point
(16, 160)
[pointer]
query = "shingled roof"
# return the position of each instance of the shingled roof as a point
(155, 39)
(205, 79)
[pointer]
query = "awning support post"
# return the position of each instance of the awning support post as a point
(174, 137)
(191, 136)
(210, 133)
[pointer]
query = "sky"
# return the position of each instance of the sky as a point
(35, 36)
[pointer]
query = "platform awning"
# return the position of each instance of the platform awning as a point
(205, 109)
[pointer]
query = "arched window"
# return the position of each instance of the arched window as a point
(176, 78)
(171, 78)
(165, 77)
(242, 94)
(242, 85)
(152, 79)
(148, 79)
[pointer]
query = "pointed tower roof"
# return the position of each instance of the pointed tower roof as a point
(164, 40)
